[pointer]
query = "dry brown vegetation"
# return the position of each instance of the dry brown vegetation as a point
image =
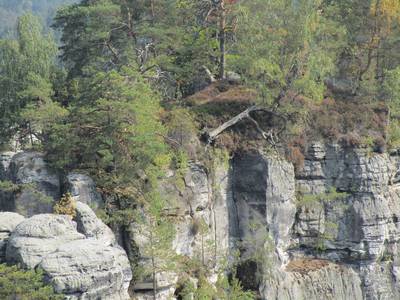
(305, 266)
(352, 122)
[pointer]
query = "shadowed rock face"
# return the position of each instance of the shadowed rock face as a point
(42, 186)
(264, 194)
(83, 189)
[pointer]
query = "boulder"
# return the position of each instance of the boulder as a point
(83, 189)
(8, 222)
(38, 236)
(91, 226)
(233, 77)
(88, 269)
(80, 266)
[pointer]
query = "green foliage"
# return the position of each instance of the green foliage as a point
(394, 134)
(26, 68)
(232, 290)
(113, 129)
(8, 186)
(332, 194)
(285, 46)
(224, 290)
(372, 35)
(10, 10)
(391, 91)
(158, 232)
(24, 285)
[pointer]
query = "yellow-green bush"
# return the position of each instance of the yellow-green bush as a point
(66, 206)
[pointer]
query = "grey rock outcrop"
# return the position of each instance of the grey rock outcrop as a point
(8, 222)
(42, 186)
(81, 266)
(314, 280)
(88, 269)
(264, 194)
(330, 231)
(91, 226)
(83, 189)
(349, 215)
(194, 204)
(39, 236)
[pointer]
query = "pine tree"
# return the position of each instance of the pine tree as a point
(26, 67)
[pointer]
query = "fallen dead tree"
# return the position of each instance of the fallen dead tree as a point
(269, 135)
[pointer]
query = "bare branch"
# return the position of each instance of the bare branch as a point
(212, 135)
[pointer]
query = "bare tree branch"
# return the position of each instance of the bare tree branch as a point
(212, 135)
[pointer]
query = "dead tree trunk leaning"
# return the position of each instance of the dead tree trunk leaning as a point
(213, 134)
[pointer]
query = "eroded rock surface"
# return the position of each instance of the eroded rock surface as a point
(39, 236)
(349, 216)
(85, 265)
(83, 189)
(41, 186)
(8, 222)
(313, 280)
(264, 194)
(330, 231)
(91, 226)
(202, 223)
(5, 160)
(88, 269)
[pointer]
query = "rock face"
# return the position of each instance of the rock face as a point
(41, 185)
(329, 231)
(5, 160)
(202, 224)
(91, 226)
(38, 236)
(83, 189)
(85, 265)
(88, 270)
(314, 280)
(346, 213)
(264, 194)
(8, 222)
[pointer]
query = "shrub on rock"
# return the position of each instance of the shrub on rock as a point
(24, 285)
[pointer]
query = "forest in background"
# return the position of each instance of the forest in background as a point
(10, 10)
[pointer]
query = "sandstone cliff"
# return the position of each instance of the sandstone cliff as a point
(328, 231)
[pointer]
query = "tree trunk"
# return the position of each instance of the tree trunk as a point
(222, 39)
(243, 115)
(30, 133)
(153, 265)
(203, 261)
(152, 11)
(212, 135)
